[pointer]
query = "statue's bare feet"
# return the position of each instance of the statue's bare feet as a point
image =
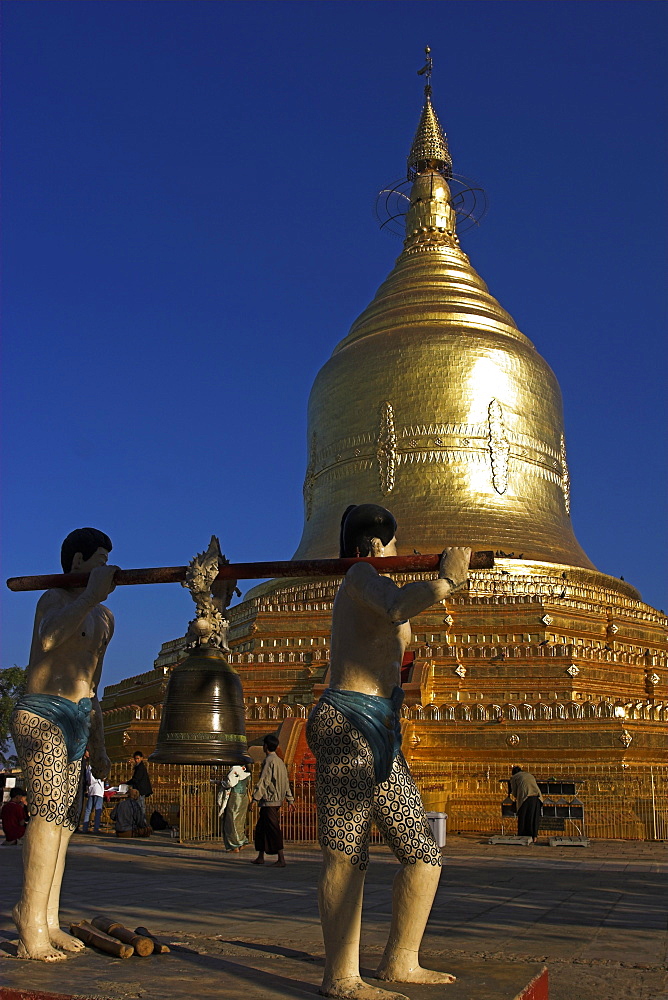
(35, 941)
(354, 988)
(64, 941)
(396, 972)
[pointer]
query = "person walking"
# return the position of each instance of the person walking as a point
(235, 807)
(95, 793)
(140, 779)
(271, 791)
(524, 789)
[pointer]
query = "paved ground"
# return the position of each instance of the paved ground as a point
(596, 917)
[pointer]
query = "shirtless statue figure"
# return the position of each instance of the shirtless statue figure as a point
(354, 732)
(52, 723)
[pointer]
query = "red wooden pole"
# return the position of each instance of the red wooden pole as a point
(249, 571)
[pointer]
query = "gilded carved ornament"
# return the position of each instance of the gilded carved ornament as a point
(310, 478)
(499, 448)
(573, 670)
(565, 477)
(460, 671)
(654, 679)
(387, 448)
(547, 619)
(625, 738)
(209, 626)
(513, 740)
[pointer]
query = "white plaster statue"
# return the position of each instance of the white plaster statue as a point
(361, 773)
(52, 723)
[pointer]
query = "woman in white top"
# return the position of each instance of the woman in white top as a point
(234, 806)
(95, 792)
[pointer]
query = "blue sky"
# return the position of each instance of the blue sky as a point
(188, 232)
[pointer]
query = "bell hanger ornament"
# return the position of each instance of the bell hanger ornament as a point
(203, 714)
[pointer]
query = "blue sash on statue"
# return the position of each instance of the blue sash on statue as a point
(71, 717)
(377, 720)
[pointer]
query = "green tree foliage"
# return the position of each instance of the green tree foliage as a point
(12, 681)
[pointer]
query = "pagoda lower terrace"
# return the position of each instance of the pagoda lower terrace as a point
(552, 667)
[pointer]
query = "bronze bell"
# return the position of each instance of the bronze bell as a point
(203, 712)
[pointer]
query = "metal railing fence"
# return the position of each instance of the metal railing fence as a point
(166, 780)
(620, 803)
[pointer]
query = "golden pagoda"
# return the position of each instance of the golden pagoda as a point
(436, 406)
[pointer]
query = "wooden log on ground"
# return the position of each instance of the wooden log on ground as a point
(92, 936)
(158, 947)
(143, 946)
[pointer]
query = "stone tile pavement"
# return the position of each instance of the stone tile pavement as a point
(596, 916)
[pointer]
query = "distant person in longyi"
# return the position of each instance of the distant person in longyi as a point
(529, 800)
(271, 791)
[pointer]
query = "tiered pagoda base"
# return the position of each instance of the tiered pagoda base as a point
(543, 665)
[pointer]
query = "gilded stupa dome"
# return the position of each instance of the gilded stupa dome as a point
(435, 404)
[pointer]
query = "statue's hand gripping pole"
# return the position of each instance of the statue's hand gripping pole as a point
(251, 571)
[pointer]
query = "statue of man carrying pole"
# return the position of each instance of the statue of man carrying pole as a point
(52, 723)
(354, 732)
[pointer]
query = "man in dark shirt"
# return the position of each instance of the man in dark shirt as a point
(140, 779)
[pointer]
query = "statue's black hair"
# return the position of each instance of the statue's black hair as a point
(362, 522)
(83, 540)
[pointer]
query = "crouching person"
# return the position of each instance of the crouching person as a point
(129, 818)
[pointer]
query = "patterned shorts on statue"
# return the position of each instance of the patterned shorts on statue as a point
(348, 799)
(52, 783)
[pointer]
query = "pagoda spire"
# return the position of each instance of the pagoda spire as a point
(457, 425)
(430, 145)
